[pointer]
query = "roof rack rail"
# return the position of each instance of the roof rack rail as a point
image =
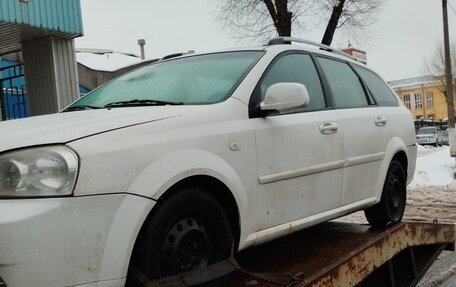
(289, 40)
(171, 56)
(176, 55)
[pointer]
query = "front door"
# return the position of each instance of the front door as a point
(300, 155)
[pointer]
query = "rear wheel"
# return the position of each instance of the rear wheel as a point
(188, 231)
(391, 207)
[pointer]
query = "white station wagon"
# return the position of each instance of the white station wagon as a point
(179, 164)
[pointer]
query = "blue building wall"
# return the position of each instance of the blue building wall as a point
(58, 15)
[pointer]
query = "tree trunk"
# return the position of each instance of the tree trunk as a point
(332, 24)
(283, 24)
(280, 16)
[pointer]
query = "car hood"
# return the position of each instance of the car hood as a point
(69, 126)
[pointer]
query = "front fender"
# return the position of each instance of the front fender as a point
(171, 168)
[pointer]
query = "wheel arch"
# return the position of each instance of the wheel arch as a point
(207, 183)
(223, 195)
(193, 168)
(396, 150)
(401, 157)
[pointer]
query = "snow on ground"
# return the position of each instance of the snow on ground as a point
(434, 167)
(432, 193)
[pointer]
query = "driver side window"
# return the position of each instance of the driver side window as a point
(296, 68)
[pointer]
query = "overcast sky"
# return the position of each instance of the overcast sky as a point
(406, 33)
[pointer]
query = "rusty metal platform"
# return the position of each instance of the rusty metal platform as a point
(343, 254)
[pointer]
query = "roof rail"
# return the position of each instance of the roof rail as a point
(171, 56)
(289, 40)
(176, 55)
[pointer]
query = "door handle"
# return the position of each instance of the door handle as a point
(380, 121)
(328, 128)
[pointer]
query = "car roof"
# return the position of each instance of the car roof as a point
(278, 45)
(283, 44)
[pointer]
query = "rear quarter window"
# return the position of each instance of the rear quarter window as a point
(377, 87)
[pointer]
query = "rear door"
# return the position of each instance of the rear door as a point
(364, 127)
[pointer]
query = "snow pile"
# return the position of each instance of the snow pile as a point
(434, 167)
(108, 61)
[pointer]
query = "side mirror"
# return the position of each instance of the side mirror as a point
(285, 97)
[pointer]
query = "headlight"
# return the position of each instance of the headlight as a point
(46, 171)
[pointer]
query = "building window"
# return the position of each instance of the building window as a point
(418, 102)
(430, 116)
(407, 101)
(429, 100)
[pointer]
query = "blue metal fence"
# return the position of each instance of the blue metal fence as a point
(13, 93)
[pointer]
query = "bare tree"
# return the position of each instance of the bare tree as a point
(435, 65)
(265, 18)
(261, 18)
(353, 16)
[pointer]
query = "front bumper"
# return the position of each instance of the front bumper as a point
(424, 141)
(69, 241)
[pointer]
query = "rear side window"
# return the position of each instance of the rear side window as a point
(382, 94)
(296, 68)
(344, 83)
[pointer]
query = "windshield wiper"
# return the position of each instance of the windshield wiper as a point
(137, 102)
(80, 108)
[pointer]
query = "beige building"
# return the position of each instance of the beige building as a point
(423, 96)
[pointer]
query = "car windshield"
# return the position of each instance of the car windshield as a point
(426, 131)
(204, 79)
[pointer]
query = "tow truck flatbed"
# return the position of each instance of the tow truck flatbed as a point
(345, 254)
(329, 255)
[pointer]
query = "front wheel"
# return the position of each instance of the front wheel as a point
(189, 230)
(391, 207)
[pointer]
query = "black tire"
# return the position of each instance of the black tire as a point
(188, 230)
(390, 209)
